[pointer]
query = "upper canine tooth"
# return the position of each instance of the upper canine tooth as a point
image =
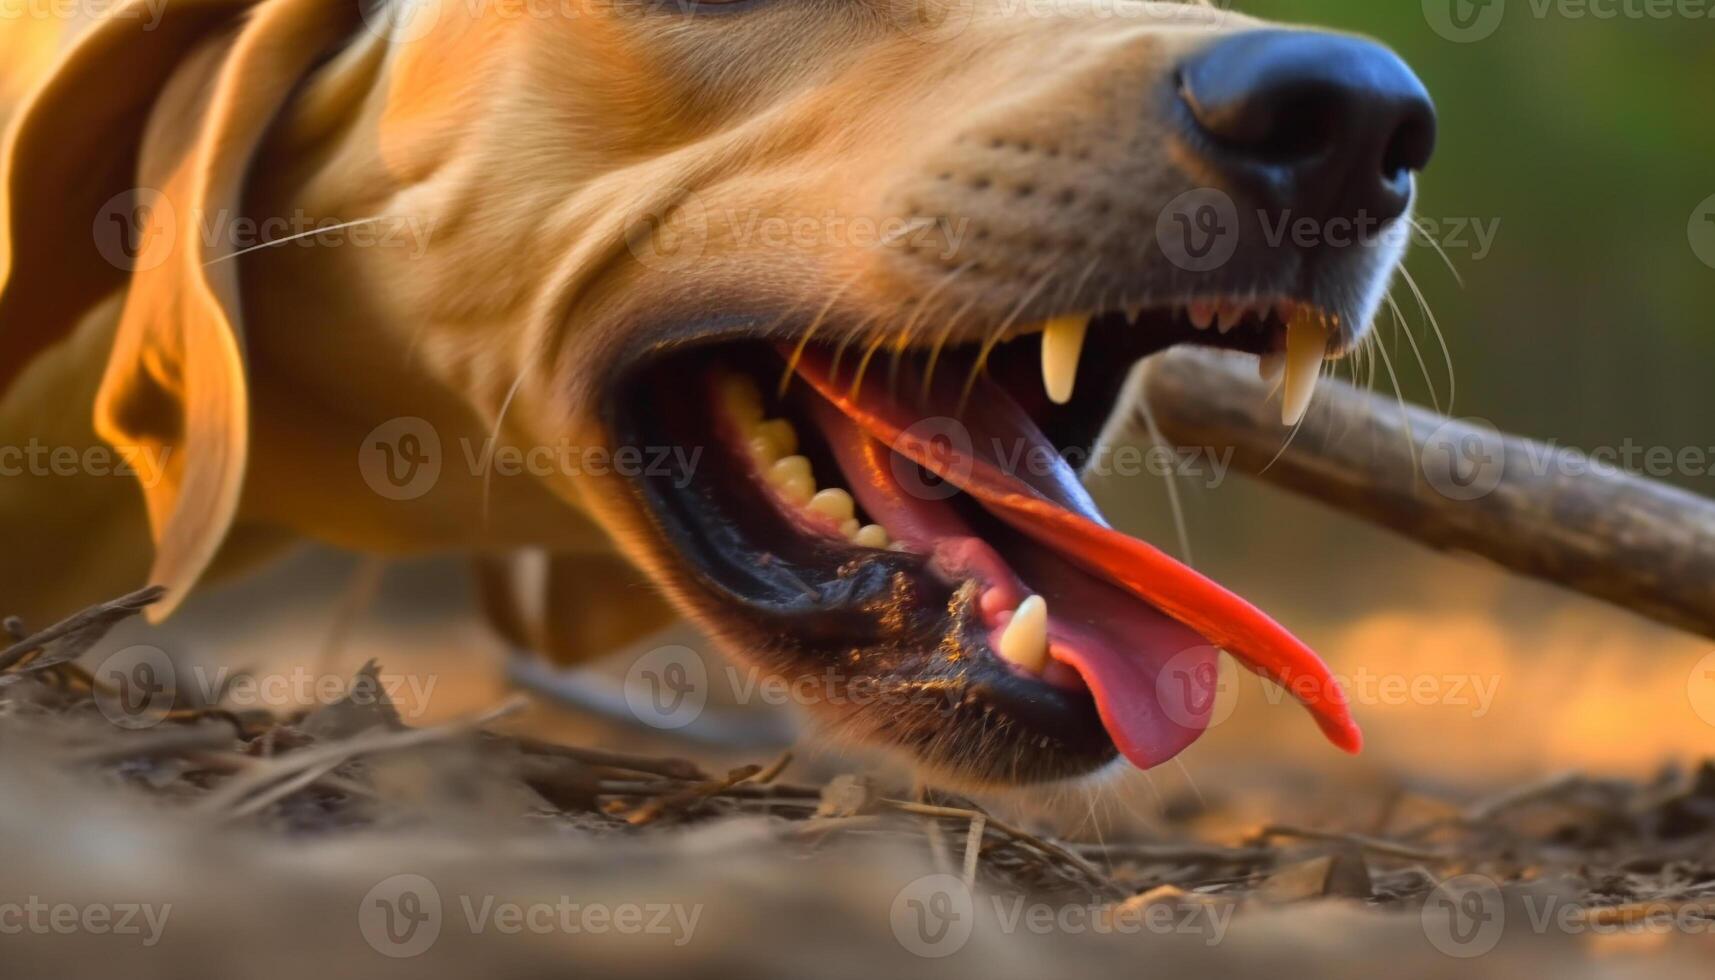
(1306, 346)
(1062, 342)
(1228, 314)
(1025, 639)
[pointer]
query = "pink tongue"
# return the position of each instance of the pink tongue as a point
(1150, 664)
(1152, 677)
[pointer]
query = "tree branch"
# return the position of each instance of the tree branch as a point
(1539, 510)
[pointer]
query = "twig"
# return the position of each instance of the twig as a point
(672, 768)
(289, 766)
(1540, 510)
(1050, 848)
(1373, 844)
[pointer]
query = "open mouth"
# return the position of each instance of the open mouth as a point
(904, 520)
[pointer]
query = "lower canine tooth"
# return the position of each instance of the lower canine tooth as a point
(1024, 641)
(1306, 346)
(1062, 342)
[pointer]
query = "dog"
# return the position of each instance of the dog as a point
(788, 313)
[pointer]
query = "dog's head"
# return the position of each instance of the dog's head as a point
(864, 277)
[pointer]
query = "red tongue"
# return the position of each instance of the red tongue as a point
(1048, 504)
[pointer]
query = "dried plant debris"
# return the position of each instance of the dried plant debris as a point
(1616, 850)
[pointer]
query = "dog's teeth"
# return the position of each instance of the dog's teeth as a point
(1306, 346)
(1133, 311)
(1202, 314)
(1062, 341)
(1228, 314)
(792, 478)
(871, 536)
(832, 503)
(742, 399)
(1024, 641)
(780, 433)
(1270, 365)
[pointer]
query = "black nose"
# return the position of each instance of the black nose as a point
(1328, 126)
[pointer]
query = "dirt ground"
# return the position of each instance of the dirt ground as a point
(202, 840)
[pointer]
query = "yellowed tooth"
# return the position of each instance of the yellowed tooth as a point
(1025, 639)
(849, 528)
(832, 503)
(871, 536)
(764, 450)
(792, 478)
(1306, 346)
(742, 398)
(779, 432)
(1062, 342)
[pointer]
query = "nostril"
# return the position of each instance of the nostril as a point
(1410, 148)
(1322, 122)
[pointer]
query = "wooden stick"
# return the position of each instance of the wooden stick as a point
(1539, 510)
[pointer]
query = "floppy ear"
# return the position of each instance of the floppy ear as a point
(122, 171)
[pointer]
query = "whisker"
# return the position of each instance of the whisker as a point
(1440, 336)
(804, 341)
(1416, 352)
(911, 324)
(863, 364)
(1404, 414)
(1438, 251)
(995, 336)
(300, 235)
(941, 342)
